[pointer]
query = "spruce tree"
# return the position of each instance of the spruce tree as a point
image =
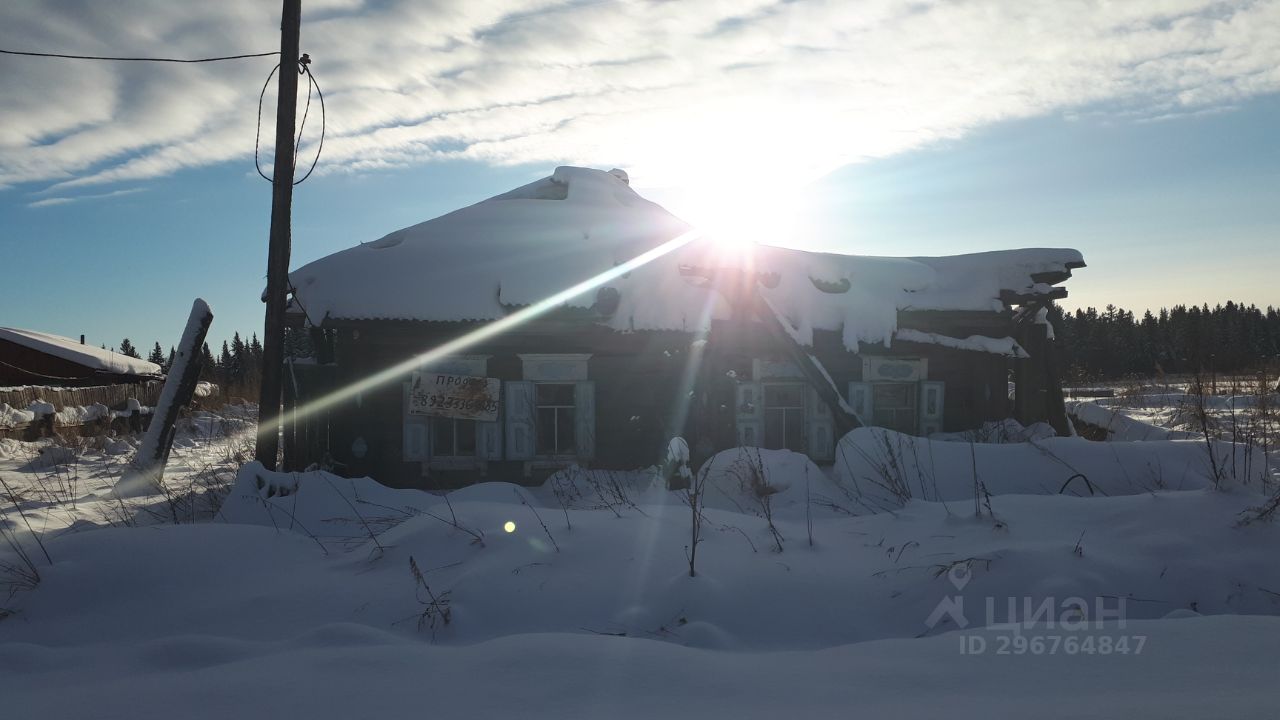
(224, 364)
(156, 356)
(127, 349)
(208, 367)
(239, 361)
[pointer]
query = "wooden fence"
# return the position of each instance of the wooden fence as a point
(113, 396)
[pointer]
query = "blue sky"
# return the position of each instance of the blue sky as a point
(1141, 135)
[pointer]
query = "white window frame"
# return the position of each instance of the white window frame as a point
(537, 406)
(555, 369)
(765, 408)
(453, 451)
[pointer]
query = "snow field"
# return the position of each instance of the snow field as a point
(817, 592)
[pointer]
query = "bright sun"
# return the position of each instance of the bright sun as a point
(737, 216)
(742, 167)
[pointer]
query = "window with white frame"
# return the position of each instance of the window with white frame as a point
(453, 437)
(554, 428)
(784, 416)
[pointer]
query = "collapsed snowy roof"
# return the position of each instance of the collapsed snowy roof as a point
(522, 246)
(87, 355)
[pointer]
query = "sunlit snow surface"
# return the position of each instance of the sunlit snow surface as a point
(297, 598)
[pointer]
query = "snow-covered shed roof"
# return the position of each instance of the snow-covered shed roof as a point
(87, 355)
(522, 246)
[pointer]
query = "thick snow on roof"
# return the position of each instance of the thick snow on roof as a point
(512, 249)
(1006, 346)
(89, 356)
(525, 245)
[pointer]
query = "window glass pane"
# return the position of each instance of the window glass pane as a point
(783, 395)
(546, 431)
(565, 431)
(555, 394)
(794, 435)
(774, 435)
(441, 436)
(465, 430)
(892, 395)
(895, 406)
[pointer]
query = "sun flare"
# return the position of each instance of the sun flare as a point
(737, 217)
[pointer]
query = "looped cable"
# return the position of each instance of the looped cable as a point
(311, 82)
(304, 68)
(257, 137)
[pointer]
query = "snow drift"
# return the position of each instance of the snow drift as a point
(881, 468)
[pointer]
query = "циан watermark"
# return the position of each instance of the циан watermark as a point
(1035, 626)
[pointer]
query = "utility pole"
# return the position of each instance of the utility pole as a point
(278, 254)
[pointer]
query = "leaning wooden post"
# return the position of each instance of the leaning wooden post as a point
(143, 475)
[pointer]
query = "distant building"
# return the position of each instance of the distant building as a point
(722, 345)
(28, 357)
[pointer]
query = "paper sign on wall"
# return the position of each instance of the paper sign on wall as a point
(455, 396)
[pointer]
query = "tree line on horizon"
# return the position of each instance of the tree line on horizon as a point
(1113, 343)
(237, 368)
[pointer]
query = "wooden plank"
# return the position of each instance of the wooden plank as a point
(144, 474)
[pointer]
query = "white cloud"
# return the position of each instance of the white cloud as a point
(682, 92)
(67, 200)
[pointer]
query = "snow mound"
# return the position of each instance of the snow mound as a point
(1008, 430)
(1121, 427)
(10, 447)
(879, 469)
(52, 456)
(79, 415)
(113, 446)
(744, 479)
(13, 417)
(320, 504)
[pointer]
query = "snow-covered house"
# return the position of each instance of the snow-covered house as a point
(661, 332)
(28, 357)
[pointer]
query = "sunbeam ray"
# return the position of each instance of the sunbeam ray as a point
(490, 330)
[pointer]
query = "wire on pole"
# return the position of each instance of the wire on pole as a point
(137, 59)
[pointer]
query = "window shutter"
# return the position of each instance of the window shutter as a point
(519, 419)
(489, 440)
(584, 401)
(818, 428)
(748, 413)
(416, 439)
(860, 401)
(932, 396)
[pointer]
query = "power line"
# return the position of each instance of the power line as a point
(138, 59)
